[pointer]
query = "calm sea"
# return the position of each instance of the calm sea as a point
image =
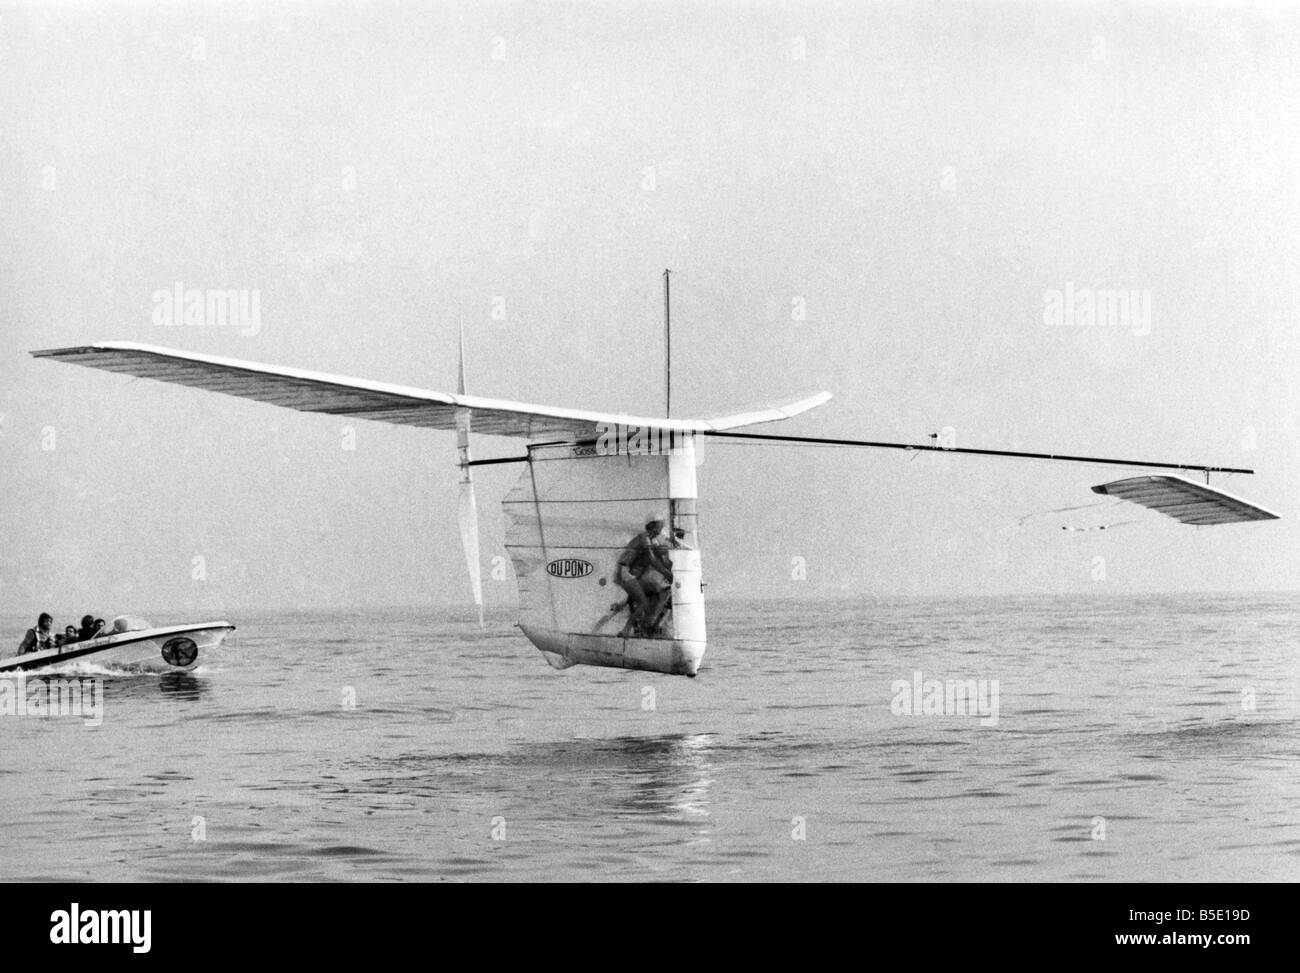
(1135, 739)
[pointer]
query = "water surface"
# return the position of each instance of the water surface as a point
(1136, 739)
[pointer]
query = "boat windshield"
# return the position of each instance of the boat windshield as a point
(129, 623)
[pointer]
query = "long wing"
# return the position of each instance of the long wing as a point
(1011, 454)
(1181, 499)
(1185, 501)
(305, 391)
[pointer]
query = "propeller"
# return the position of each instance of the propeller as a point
(468, 505)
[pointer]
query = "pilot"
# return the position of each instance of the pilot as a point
(640, 555)
(655, 584)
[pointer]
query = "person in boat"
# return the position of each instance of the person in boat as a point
(69, 635)
(39, 638)
(88, 628)
(641, 555)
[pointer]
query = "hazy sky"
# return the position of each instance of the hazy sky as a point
(915, 179)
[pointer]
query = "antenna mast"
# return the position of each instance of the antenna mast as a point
(668, 352)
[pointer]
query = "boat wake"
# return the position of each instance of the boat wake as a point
(84, 667)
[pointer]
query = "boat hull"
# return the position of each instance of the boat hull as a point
(677, 657)
(168, 649)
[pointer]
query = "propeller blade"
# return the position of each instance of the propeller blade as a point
(469, 534)
(468, 505)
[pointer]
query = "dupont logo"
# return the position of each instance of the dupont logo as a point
(569, 567)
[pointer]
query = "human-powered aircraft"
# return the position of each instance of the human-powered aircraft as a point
(590, 481)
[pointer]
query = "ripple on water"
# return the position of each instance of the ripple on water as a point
(1146, 738)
